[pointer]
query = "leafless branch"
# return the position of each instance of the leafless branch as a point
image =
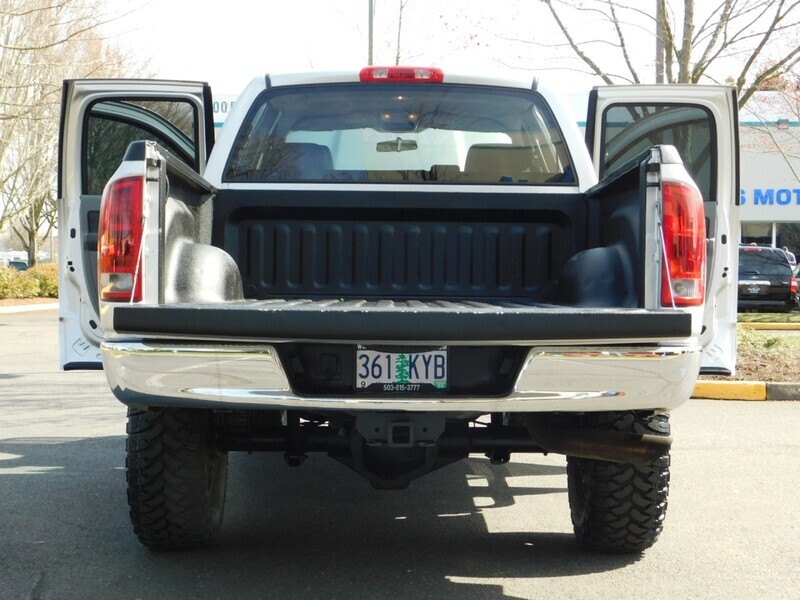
(717, 33)
(40, 44)
(623, 46)
(575, 47)
(741, 80)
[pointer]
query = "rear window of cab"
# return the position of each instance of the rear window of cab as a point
(400, 133)
(763, 261)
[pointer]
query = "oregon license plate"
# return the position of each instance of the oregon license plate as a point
(377, 370)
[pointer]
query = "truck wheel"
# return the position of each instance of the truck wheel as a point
(619, 507)
(176, 478)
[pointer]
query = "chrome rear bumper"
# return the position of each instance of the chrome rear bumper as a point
(250, 376)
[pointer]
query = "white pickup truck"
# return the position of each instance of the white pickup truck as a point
(398, 267)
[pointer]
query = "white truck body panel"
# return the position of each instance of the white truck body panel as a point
(79, 320)
(718, 337)
(83, 329)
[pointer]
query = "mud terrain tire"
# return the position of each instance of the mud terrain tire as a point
(176, 478)
(620, 507)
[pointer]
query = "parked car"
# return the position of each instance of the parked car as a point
(19, 265)
(766, 280)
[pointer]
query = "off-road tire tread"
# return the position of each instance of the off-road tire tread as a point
(176, 480)
(622, 506)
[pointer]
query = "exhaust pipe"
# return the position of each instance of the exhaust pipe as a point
(598, 444)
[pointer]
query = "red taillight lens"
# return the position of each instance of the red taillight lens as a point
(793, 285)
(683, 275)
(404, 74)
(119, 241)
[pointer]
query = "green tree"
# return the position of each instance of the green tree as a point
(401, 369)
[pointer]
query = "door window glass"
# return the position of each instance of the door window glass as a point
(112, 125)
(630, 129)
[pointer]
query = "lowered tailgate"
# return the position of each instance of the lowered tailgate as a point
(386, 321)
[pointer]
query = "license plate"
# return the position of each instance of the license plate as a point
(754, 290)
(401, 371)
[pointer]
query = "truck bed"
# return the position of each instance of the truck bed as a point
(424, 245)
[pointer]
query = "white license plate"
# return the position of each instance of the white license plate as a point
(755, 290)
(401, 371)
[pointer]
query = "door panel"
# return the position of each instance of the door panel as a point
(702, 123)
(99, 118)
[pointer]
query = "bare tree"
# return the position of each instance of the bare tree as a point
(746, 42)
(772, 113)
(32, 189)
(42, 42)
(401, 7)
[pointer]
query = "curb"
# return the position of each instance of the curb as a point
(28, 308)
(746, 390)
(750, 390)
(771, 326)
(730, 390)
(783, 391)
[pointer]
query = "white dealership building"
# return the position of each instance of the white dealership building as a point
(770, 167)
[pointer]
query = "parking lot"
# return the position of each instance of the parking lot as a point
(472, 530)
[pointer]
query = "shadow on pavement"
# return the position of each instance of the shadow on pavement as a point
(314, 532)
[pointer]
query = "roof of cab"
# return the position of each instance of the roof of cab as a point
(511, 79)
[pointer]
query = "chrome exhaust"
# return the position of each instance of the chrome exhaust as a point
(598, 444)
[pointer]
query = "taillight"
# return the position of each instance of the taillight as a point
(402, 74)
(119, 241)
(683, 273)
(793, 285)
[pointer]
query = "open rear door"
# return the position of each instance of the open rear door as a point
(99, 118)
(702, 123)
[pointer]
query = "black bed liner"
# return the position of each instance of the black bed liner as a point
(401, 321)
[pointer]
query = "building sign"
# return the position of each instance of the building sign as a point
(770, 197)
(223, 104)
(770, 188)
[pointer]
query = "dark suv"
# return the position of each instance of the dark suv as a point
(765, 280)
